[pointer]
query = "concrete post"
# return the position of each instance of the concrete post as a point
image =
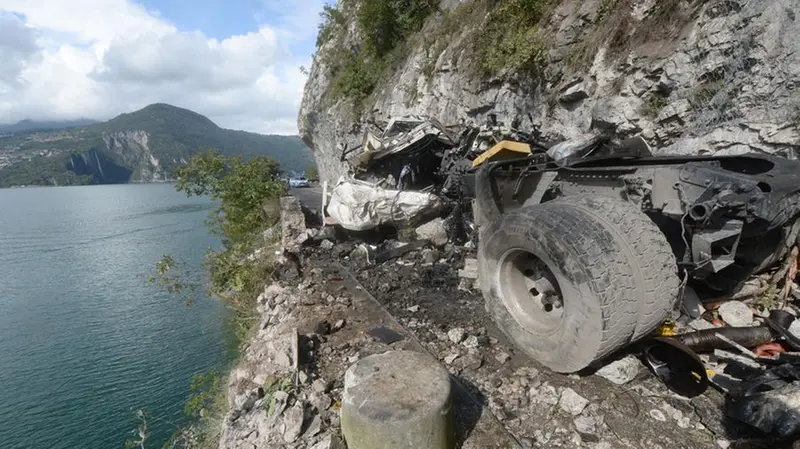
(397, 400)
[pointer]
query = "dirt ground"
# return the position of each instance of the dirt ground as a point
(503, 398)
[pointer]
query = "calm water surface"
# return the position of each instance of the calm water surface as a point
(83, 338)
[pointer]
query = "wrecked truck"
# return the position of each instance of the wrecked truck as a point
(581, 256)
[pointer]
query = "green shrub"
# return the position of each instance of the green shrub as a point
(247, 193)
(653, 105)
(386, 26)
(356, 77)
(331, 19)
(205, 388)
(512, 40)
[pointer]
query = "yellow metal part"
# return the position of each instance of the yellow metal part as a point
(667, 329)
(503, 149)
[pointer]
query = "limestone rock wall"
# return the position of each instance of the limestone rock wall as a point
(133, 149)
(713, 76)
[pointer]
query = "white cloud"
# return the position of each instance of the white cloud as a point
(97, 58)
(17, 49)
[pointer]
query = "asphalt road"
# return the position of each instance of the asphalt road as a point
(310, 196)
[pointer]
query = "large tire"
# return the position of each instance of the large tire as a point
(607, 268)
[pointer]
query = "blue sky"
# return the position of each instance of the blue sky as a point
(220, 19)
(216, 18)
(236, 61)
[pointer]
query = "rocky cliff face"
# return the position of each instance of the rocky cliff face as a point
(133, 149)
(690, 76)
(124, 157)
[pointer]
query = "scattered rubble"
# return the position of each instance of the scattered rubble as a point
(456, 335)
(320, 317)
(621, 371)
(433, 231)
(736, 313)
(571, 402)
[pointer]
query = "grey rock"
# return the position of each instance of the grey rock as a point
(574, 93)
(658, 415)
(449, 359)
(246, 401)
(621, 371)
(502, 357)
(361, 253)
(293, 420)
(430, 256)
(684, 422)
(314, 427)
(571, 402)
(700, 324)
(338, 325)
(281, 400)
(434, 231)
(319, 386)
(545, 394)
(283, 358)
(472, 361)
(326, 245)
(794, 328)
(271, 292)
(413, 309)
(677, 110)
(470, 270)
(321, 401)
(587, 424)
(471, 342)
(456, 335)
(293, 224)
(736, 313)
(325, 443)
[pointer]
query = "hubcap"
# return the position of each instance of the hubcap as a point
(530, 292)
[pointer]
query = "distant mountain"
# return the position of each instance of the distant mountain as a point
(142, 146)
(29, 125)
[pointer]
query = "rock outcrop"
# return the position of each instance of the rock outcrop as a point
(689, 76)
(124, 157)
(133, 149)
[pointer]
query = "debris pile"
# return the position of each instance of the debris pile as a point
(410, 245)
(413, 167)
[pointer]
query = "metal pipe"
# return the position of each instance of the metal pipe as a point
(706, 340)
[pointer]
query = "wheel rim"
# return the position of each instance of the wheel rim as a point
(530, 292)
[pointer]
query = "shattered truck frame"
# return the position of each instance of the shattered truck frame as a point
(580, 259)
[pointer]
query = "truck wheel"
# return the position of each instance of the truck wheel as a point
(572, 280)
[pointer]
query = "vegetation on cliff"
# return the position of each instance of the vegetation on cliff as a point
(248, 193)
(504, 37)
(132, 141)
(385, 27)
(362, 43)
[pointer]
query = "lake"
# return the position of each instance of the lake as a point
(84, 340)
